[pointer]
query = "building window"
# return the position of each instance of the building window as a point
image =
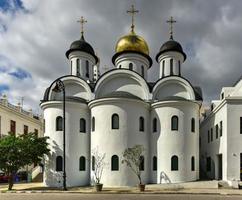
(78, 67)
(114, 163)
(82, 163)
(154, 125)
(240, 125)
(13, 127)
(44, 125)
(59, 163)
(171, 66)
(142, 71)
(130, 66)
(87, 69)
(193, 163)
(141, 124)
(211, 134)
(163, 68)
(174, 123)
(174, 163)
(208, 137)
(222, 96)
(154, 163)
(115, 121)
(36, 131)
(26, 129)
(141, 163)
(216, 130)
(59, 123)
(221, 128)
(93, 163)
(82, 125)
(208, 164)
(120, 66)
(93, 123)
(193, 125)
(179, 68)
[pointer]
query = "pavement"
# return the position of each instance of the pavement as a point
(193, 188)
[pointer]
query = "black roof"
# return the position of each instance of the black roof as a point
(81, 45)
(171, 45)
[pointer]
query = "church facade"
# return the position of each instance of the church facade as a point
(120, 109)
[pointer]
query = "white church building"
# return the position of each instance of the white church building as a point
(121, 108)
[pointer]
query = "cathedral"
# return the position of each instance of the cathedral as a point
(120, 109)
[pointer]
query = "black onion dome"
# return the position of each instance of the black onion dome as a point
(171, 45)
(81, 45)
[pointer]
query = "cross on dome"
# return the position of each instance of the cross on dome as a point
(82, 21)
(171, 21)
(132, 12)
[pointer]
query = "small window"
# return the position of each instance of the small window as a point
(114, 163)
(82, 163)
(193, 125)
(221, 128)
(222, 96)
(78, 67)
(154, 125)
(240, 125)
(142, 71)
(87, 69)
(44, 125)
(120, 66)
(82, 125)
(179, 68)
(208, 164)
(174, 123)
(130, 66)
(115, 121)
(36, 131)
(208, 137)
(93, 123)
(93, 163)
(71, 66)
(193, 163)
(163, 68)
(211, 134)
(171, 66)
(141, 163)
(13, 127)
(216, 130)
(26, 129)
(174, 163)
(59, 163)
(141, 124)
(59, 123)
(154, 163)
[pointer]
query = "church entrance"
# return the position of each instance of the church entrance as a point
(220, 167)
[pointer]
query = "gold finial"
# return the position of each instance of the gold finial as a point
(132, 11)
(171, 21)
(82, 21)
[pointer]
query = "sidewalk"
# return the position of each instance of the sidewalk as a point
(150, 189)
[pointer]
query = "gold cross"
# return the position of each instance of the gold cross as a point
(132, 11)
(171, 21)
(82, 21)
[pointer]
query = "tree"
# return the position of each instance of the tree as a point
(19, 151)
(133, 159)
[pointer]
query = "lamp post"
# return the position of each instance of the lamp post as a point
(60, 87)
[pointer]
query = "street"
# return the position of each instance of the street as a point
(55, 196)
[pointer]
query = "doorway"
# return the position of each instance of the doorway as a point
(220, 167)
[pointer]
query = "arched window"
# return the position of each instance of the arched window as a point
(154, 163)
(114, 163)
(44, 125)
(82, 163)
(141, 163)
(141, 124)
(115, 121)
(59, 123)
(87, 69)
(71, 66)
(93, 123)
(78, 67)
(120, 66)
(154, 125)
(142, 71)
(131, 66)
(174, 163)
(93, 163)
(163, 68)
(179, 68)
(174, 123)
(171, 66)
(192, 163)
(82, 125)
(193, 125)
(59, 163)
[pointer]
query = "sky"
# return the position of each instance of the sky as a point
(35, 34)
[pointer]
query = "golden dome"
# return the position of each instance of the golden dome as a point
(132, 42)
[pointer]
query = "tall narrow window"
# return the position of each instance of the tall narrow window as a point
(82, 163)
(174, 163)
(131, 66)
(240, 125)
(221, 128)
(26, 129)
(193, 125)
(59, 163)
(44, 125)
(216, 130)
(171, 66)
(114, 163)
(87, 69)
(93, 123)
(211, 134)
(174, 123)
(78, 67)
(115, 121)
(142, 71)
(208, 137)
(93, 163)
(82, 125)
(154, 163)
(193, 163)
(13, 127)
(208, 164)
(71, 66)
(163, 68)
(141, 124)
(179, 68)
(154, 125)
(141, 163)
(59, 123)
